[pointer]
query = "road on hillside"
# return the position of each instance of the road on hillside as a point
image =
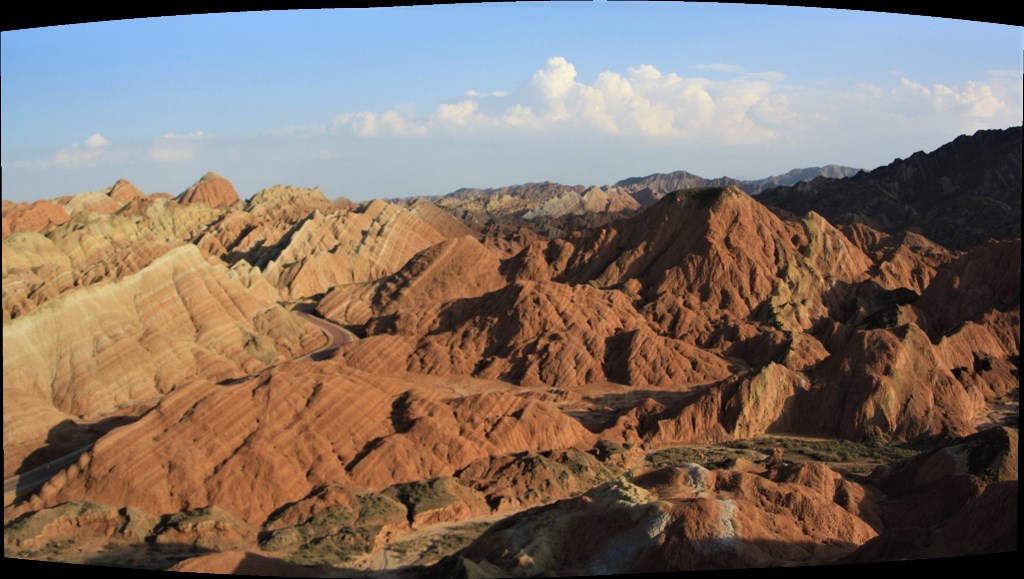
(28, 482)
(337, 336)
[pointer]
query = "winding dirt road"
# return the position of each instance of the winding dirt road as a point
(337, 336)
(28, 482)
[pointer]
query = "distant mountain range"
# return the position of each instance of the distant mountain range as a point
(556, 208)
(959, 195)
(668, 182)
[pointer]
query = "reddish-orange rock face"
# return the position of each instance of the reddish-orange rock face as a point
(211, 189)
(123, 191)
(36, 216)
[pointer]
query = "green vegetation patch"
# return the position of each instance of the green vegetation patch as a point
(431, 495)
(852, 456)
(454, 540)
(337, 534)
(347, 544)
(34, 524)
(857, 457)
(710, 457)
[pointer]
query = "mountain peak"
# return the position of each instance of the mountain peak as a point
(707, 195)
(958, 195)
(124, 191)
(212, 189)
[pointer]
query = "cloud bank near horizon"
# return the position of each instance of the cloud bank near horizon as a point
(719, 105)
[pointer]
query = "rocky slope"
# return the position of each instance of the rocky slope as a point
(665, 514)
(754, 323)
(958, 195)
(93, 248)
(112, 346)
(303, 425)
(686, 517)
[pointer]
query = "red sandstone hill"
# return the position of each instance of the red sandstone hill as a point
(123, 191)
(35, 216)
(211, 189)
(702, 285)
(282, 435)
(104, 349)
(507, 371)
(707, 256)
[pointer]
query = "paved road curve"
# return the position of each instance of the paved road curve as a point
(28, 482)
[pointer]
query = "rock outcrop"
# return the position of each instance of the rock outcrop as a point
(681, 518)
(112, 346)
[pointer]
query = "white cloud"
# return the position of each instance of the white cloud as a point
(973, 99)
(89, 153)
(96, 141)
(498, 93)
(363, 124)
(77, 156)
(395, 124)
(738, 106)
(555, 79)
(369, 124)
(457, 114)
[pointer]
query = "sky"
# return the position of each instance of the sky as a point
(423, 100)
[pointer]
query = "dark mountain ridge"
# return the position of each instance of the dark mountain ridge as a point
(959, 195)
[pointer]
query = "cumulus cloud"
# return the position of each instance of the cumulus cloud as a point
(369, 124)
(737, 106)
(644, 101)
(968, 104)
(96, 141)
(458, 113)
(91, 152)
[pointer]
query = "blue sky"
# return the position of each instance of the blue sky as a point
(387, 102)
